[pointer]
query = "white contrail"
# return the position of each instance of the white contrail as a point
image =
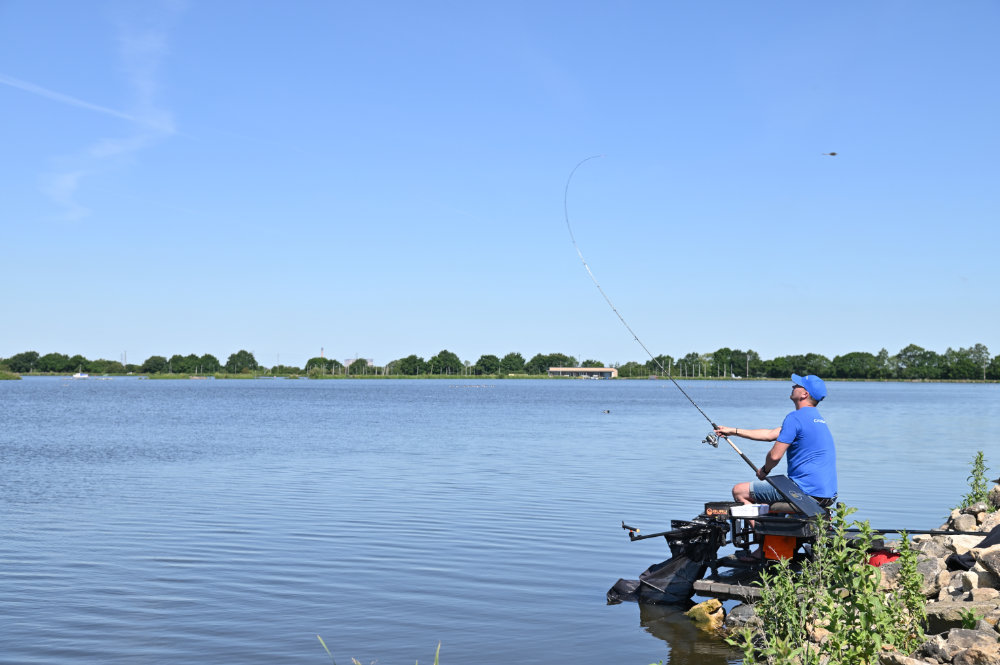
(142, 46)
(65, 99)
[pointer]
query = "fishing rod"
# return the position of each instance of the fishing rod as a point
(711, 439)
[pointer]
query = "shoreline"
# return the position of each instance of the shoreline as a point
(341, 377)
(533, 377)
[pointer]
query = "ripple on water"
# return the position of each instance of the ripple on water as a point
(177, 522)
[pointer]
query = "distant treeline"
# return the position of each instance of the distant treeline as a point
(912, 362)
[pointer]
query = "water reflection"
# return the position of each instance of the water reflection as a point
(688, 645)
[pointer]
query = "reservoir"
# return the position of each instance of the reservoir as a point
(234, 521)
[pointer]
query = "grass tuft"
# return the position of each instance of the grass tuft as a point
(327, 650)
(437, 654)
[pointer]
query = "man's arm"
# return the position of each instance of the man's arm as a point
(752, 434)
(774, 456)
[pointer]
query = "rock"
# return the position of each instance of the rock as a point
(896, 658)
(947, 614)
(990, 559)
(818, 635)
(933, 548)
(994, 496)
(708, 615)
(962, 544)
(955, 581)
(948, 593)
(934, 648)
(930, 568)
(983, 594)
(964, 522)
(981, 517)
(975, 509)
(987, 580)
(991, 522)
(961, 641)
(963, 638)
(969, 580)
(944, 579)
(740, 616)
(979, 655)
(890, 571)
(993, 618)
(983, 626)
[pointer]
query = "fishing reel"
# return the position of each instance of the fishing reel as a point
(712, 440)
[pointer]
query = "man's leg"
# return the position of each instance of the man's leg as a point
(741, 493)
(761, 491)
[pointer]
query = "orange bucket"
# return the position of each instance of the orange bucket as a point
(779, 547)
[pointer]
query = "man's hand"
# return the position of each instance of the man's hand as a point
(762, 473)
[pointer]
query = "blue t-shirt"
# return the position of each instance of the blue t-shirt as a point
(812, 458)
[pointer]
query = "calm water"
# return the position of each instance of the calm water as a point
(233, 521)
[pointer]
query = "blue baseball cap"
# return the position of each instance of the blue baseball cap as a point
(813, 385)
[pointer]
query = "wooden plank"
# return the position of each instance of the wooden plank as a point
(726, 587)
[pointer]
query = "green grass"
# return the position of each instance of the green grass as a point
(355, 661)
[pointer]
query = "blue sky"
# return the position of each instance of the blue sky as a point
(387, 178)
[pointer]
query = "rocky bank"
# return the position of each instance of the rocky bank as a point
(961, 583)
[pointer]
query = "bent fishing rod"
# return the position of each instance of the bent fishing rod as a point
(711, 439)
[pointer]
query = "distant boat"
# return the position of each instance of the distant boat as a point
(81, 375)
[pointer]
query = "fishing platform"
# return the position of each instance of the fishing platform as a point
(786, 530)
(761, 535)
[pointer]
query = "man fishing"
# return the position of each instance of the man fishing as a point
(812, 459)
(804, 435)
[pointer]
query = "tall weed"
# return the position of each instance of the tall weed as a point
(830, 609)
(978, 487)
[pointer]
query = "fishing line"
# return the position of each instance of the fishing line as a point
(711, 438)
(608, 300)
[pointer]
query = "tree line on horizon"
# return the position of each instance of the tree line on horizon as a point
(911, 362)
